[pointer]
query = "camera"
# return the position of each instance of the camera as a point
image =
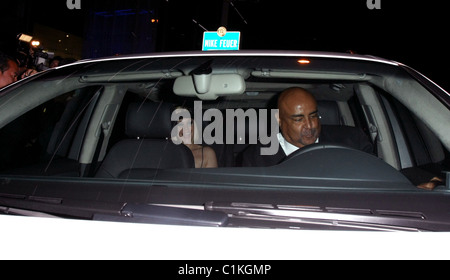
(31, 54)
(41, 59)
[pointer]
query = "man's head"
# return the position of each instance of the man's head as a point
(55, 62)
(298, 117)
(9, 70)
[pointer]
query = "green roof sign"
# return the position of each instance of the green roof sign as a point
(221, 40)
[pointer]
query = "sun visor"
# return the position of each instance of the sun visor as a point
(209, 86)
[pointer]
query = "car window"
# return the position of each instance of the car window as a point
(419, 149)
(47, 140)
(55, 132)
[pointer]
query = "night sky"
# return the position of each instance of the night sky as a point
(412, 32)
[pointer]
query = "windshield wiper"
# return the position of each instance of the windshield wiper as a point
(314, 217)
(33, 206)
(217, 214)
(69, 208)
(155, 214)
(23, 212)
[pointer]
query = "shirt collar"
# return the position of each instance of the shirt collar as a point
(287, 147)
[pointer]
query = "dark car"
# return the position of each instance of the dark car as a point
(94, 140)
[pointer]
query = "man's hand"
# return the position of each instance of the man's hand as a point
(431, 184)
(28, 73)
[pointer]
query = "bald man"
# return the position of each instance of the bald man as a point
(299, 122)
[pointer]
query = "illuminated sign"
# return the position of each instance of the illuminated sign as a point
(222, 40)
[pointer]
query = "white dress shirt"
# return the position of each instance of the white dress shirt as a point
(287, 147)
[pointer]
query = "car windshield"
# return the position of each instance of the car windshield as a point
(178, 129)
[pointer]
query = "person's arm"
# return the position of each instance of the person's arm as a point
(430, 185)
(422, 178)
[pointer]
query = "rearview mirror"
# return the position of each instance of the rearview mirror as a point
(209, 86)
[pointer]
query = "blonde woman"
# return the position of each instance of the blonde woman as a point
(187, 133)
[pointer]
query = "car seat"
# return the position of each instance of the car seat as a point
(149, 149)
(329, 112)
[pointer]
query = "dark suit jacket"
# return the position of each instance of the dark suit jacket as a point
(330, 134)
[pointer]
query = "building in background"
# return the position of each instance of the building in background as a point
(99, 28)
(113, 27)
(58, 42)
(119, 30)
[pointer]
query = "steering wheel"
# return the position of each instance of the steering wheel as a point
(339, 163)
(315, 147)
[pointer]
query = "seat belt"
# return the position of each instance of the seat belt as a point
(373, 128)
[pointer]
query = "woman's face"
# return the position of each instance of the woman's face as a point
(186, 130)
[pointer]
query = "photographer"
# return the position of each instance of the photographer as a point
(31, 55)
(9, 70)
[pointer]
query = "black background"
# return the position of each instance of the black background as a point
(411, 32)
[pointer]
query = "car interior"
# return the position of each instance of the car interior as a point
(118, 125)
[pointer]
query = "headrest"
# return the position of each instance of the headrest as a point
(149, 120)
(329, 112)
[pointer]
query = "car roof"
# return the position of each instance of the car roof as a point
(279, 53)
